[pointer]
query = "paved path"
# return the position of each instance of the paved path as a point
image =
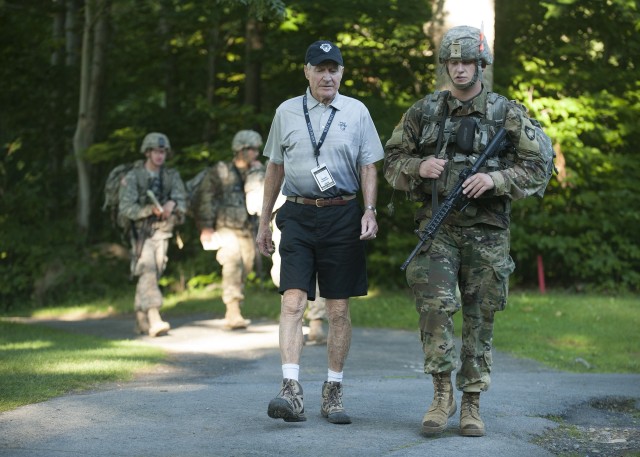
(211, 398)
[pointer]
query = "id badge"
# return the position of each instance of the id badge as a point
(323, 177)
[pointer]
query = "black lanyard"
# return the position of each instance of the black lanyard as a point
(316, 147)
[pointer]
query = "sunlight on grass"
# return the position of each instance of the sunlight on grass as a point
(575, 342)
(26, 345)
(38, 363)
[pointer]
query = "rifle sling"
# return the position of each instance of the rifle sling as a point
(434, 182)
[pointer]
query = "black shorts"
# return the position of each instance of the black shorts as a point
(323, 242)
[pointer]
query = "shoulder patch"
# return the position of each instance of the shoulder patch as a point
(531, 133)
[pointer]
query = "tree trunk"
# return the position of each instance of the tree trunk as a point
(253, 66)
(71, 35)
(214, 39)
(451, 13)
(91, 75)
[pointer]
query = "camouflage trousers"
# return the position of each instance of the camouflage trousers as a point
(149, 268)
(476, 260)
(236, 255)
(316, 309)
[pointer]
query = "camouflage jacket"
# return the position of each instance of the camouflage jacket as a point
(135, 205)
(223, 200)
(517, 172)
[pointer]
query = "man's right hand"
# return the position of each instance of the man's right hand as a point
(209, 239)
(432, 168)
(264, 240)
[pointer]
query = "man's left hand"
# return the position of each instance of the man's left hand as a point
(369, 226)
(476, 185)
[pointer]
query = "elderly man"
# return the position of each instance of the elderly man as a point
(323, 146)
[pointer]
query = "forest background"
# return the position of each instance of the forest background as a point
(83, 81)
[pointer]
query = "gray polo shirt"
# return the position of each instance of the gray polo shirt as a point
(351, 142)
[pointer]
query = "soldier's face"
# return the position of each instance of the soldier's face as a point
(324, 80)
(246, 156)
(157, 156)
(461, 71)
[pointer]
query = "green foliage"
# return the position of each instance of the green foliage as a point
(577, 74)
(184, 67)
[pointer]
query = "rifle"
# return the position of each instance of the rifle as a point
(497, 143)
(154, 200)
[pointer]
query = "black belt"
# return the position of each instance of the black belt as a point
(321, 202)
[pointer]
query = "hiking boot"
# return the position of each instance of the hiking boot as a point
(316, 333)
(331, 406)
(157, 326)
(233, 317)
(237, 323)
(288, 404)
(470, 422)
(142, 323)
(443, 405)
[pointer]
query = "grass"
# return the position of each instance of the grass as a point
(574, 332)
(38, 363)
(579, 333)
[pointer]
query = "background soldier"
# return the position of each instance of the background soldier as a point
(424, 156)
(151, 226)
(226, 225)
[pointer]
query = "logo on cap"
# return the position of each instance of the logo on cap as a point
(326, 47)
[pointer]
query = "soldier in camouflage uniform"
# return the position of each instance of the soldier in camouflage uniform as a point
(222, 216)
(151, 226)
(424, 157)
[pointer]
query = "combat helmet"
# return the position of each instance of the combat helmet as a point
(465, 43)
(155, 140)
(468, 44)
(246, 139)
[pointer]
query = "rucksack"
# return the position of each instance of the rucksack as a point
(496, 111)
(112, 191)
(548, 153)
(193, 188)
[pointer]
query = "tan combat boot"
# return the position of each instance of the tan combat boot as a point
(443, 405)
(470, 422)
(157, 326)
(233, 317)
(316, 333)
(142, 323)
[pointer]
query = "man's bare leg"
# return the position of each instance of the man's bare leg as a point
(339, 340)
(294, 302)
(338, 345)
(288, 404)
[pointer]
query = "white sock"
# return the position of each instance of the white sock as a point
(334, 376)
(290, 371)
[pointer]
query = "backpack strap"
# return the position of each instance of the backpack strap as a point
(443, 120)
(496, 110)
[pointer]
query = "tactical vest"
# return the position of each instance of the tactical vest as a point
(143, 183)
(458, 158)
(232, 209)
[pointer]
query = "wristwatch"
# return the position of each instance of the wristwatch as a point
(372, 208)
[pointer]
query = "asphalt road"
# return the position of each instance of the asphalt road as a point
(210, 399)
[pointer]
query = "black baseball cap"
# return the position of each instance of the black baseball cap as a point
(323, 50)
